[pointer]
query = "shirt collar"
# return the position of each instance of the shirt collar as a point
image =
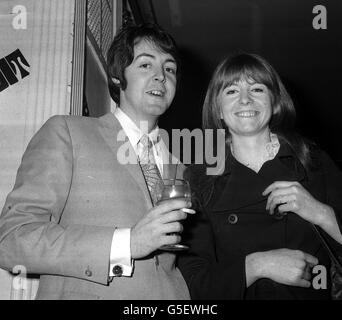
(132, 131)
(285, 153)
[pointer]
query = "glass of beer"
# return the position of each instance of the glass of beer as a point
(173, 189)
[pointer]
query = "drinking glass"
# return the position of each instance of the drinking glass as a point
(173, 189)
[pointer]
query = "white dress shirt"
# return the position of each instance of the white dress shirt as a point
(120, 254)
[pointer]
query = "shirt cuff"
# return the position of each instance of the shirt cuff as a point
(120, 253)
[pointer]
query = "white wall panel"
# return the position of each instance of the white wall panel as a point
(47, 45)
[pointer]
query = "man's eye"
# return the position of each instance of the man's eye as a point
(170, 70)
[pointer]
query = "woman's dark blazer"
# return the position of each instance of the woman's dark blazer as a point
(232, 222)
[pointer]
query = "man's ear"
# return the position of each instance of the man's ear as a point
(116, 81)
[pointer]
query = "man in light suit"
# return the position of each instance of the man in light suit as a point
(78, 215)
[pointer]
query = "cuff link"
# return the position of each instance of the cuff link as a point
(117, 271)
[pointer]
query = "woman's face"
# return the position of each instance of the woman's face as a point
(246, 107)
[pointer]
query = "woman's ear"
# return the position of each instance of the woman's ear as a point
(276, 109)
(221, 114)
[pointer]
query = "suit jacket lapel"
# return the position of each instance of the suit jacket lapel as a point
(111, 130)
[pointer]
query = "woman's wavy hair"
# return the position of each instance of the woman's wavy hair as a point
(251, 66)
(121, 52)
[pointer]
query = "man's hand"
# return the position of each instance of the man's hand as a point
(153, 230)
(290, 267)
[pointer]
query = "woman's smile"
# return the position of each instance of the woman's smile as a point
(247, 114)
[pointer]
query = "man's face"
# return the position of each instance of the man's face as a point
(151, 83)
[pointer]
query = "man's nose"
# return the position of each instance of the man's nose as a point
(160, 75)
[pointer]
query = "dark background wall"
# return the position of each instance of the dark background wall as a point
(308, 60)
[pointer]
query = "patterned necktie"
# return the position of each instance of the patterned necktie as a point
(150, 170)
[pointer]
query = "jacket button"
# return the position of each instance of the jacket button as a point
(88, 272)
(232, 218)
(117, 271)
(279, 215)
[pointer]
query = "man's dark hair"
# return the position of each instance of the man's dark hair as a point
(121, 52)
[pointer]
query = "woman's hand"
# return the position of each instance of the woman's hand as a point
(290, 267)
(291, 196)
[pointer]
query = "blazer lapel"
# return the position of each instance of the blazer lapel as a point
(117, 140)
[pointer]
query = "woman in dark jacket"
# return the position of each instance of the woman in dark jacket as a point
(253, 236)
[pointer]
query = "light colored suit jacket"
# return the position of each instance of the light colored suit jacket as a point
(69, 195)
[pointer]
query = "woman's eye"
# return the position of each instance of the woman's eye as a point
(258, 90)
(231, 91)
